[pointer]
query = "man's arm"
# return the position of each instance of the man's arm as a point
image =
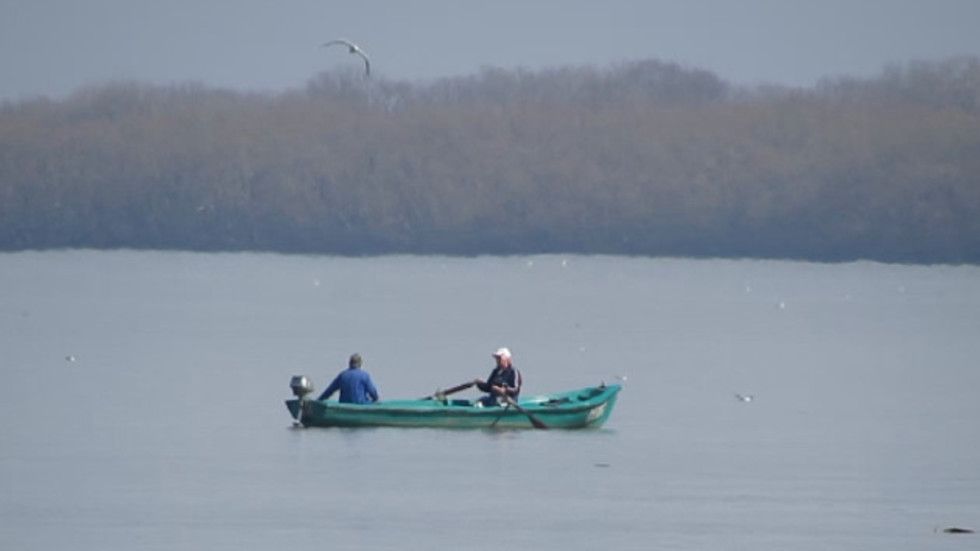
(372, 391)
(512, 387)
(334, 386)
(483, 385)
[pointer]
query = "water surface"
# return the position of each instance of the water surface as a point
(168, 430)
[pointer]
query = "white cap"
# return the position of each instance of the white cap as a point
(502, 353)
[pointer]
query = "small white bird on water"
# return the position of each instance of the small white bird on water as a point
(744, 397)
(354, 49)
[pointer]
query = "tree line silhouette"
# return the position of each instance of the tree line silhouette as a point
(640, 158)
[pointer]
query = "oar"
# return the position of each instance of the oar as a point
(538, 424)
(443, 393)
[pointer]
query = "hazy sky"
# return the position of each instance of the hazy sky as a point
(53, 47)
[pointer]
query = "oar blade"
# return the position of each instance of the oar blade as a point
(535, 422)
(538, 424)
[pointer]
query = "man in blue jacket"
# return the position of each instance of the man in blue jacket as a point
(504, 380)
(355, 384)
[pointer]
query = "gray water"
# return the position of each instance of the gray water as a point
(168, 429)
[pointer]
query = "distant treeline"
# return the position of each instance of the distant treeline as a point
(642, 158)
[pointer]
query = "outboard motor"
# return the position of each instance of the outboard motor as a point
(301, 386)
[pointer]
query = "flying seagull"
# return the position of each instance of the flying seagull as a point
(354, 49)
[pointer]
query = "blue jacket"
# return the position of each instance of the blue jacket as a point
(355, 387)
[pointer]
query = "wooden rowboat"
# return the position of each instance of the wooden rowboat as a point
(573, 409)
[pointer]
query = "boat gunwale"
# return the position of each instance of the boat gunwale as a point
(437, 406)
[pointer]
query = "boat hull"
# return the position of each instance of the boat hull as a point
(575, 409)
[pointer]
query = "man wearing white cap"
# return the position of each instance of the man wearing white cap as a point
(504, 380)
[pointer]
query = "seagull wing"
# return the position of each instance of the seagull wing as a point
(367, 61)
(343, 41)
(354, 49)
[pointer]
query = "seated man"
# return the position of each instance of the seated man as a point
(504, 381)
(355, 384)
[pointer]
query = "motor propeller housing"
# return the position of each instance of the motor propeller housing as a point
(301, 386)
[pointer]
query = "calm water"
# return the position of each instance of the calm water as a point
(168, 430)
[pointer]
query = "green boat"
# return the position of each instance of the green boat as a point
(587, 407)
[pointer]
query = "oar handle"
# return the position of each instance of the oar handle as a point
(443, 393)
(457, 388)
